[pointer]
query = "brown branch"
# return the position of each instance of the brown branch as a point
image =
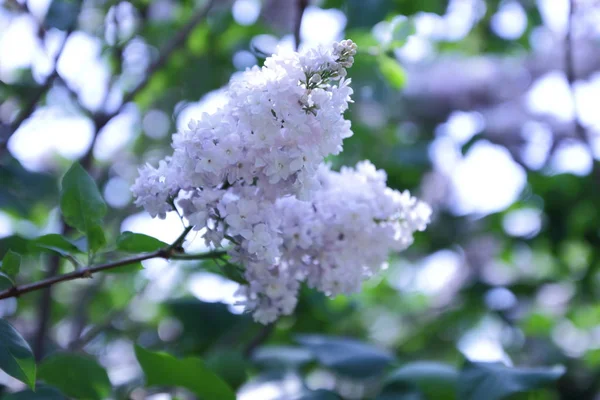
(300, 7)
(87, 272)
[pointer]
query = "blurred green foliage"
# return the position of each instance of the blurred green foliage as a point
(390, 341)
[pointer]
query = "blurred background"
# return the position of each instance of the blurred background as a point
(487, 110)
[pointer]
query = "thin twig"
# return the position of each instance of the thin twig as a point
(94, 331)
(300, 7)
(178, 242)
(87, 272)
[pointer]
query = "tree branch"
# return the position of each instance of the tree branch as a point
(33, 102)
(87, 272)
(101, 119)
(300, 7)
(176, 42)
(44, 309)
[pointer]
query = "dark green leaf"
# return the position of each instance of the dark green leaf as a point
(16, 357)
(82, 205)
(203, 322)
(5, 282)
(126, 269)
(76, 375)
(23, 190)
(392, 71)
(234, 273)
(15, 243)
(282, 356)
(346, 356)
(435, 380)
(494, 381)
(56, 243)
(95, 237)
(11, 263)
(138, 243)
(42, 392)
(230, 365)
(162, 369)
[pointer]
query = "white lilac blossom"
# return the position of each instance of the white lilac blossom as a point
(335, 241)
(252, 175)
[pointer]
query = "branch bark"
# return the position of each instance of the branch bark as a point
(87, 272)
(300, 7)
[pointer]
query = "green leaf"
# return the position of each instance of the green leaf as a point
(281, 357)
(234, 272)
(23, 190)
(16, 357)
(138, 243)
(95, 237)
(392, 71)
(320, 394)
(82, 205)
(494, 381)
(126, 269)
(5, 282)
(230, 365)
(435, 380)
(76, 375)
(346, 356)
(11, 263)
(162, 369)
(57, 243)
(42, 392)
(204, 323)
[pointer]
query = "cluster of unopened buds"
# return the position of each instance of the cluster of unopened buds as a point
(251, 177)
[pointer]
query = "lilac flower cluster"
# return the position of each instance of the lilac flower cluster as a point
(252, 175)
